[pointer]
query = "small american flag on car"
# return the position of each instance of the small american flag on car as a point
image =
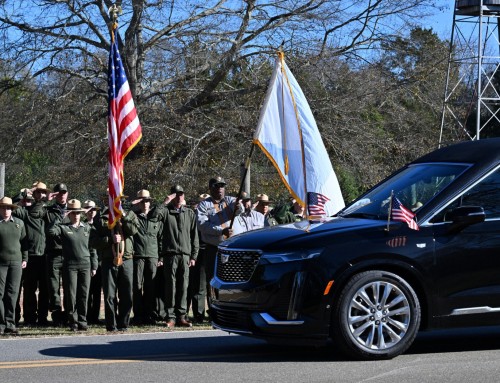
(316, 203)
(402, 214)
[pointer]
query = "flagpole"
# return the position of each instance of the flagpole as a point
(245, 172)
(389, 211)
(281, 56)
(118, 249)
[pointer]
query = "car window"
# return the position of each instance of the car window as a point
(414, 187)
(485, 194)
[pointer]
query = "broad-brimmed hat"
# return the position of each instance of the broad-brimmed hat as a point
(40, 186)
(60, 188)
(7, 203)
(176, 189)
(203, 197)
(144, 195)
(74, 206)
(216, 181)
(244, 196)
(88, 204)
(263, 199)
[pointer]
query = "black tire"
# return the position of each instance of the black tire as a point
(376, 316)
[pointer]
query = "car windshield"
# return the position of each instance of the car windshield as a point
(414, 187)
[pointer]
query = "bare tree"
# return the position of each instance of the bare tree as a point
(198, 69)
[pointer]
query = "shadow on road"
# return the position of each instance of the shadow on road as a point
(234, 348)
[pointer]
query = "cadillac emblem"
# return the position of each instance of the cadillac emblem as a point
(224, 258)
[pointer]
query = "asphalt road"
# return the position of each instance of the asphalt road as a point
(213, 356)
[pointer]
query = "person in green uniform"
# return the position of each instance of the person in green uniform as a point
(147, 242)
(95, 292)
(13, 258)
(116, 278)
(53, 249)
(179, 250)
(79, 263)
(35, 306)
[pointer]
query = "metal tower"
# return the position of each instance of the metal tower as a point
(471, 103)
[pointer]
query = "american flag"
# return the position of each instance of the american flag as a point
(403, 214)
(124, 129)
(316, 203)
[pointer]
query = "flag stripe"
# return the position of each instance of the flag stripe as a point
(400, 213)
(124, 129)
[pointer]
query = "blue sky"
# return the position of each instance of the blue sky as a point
(441, 22)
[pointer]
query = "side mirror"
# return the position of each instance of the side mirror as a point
(464, 216)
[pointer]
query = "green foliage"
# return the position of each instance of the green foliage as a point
(33, 167)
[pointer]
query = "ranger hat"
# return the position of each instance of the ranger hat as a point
(74, 206)
(7, 203)
(216, 181)
(144, 195)
(263, 199)
(40, 186)
(60, 188)
(176, 189)
(90, 205)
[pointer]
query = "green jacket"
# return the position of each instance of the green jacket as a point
(75, 241)
(32, 216)
(54, 213)
(148, 239)
(104, 237)
(13, 245)
(180, 234)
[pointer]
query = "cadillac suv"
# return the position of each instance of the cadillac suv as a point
(365, 283)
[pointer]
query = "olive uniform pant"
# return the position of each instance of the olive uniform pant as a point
(35, 277)
(117, 287)
(197, 289)
(144, 289)
(95, 294)
(54, 276)
(76, 290)
(10, 280)
(176, 268)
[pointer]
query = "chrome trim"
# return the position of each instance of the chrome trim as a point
(234, 331)
(475, 310)
(427, 223)
(274, 322)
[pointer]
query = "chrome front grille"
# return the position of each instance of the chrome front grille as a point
(236, 265)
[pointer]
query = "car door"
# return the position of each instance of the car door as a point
(468, 261)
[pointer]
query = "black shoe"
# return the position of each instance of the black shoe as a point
(12, 331)
(111, 329)
(43, 323)
(83, 327)
(123, 329)
(29, 324)
(73, 327)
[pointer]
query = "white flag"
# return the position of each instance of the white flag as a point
(288, 135)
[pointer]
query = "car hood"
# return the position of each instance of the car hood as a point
(303, 231)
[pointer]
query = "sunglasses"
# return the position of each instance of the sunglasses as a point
(218, 185)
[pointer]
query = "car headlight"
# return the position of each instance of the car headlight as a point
(290, 256)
